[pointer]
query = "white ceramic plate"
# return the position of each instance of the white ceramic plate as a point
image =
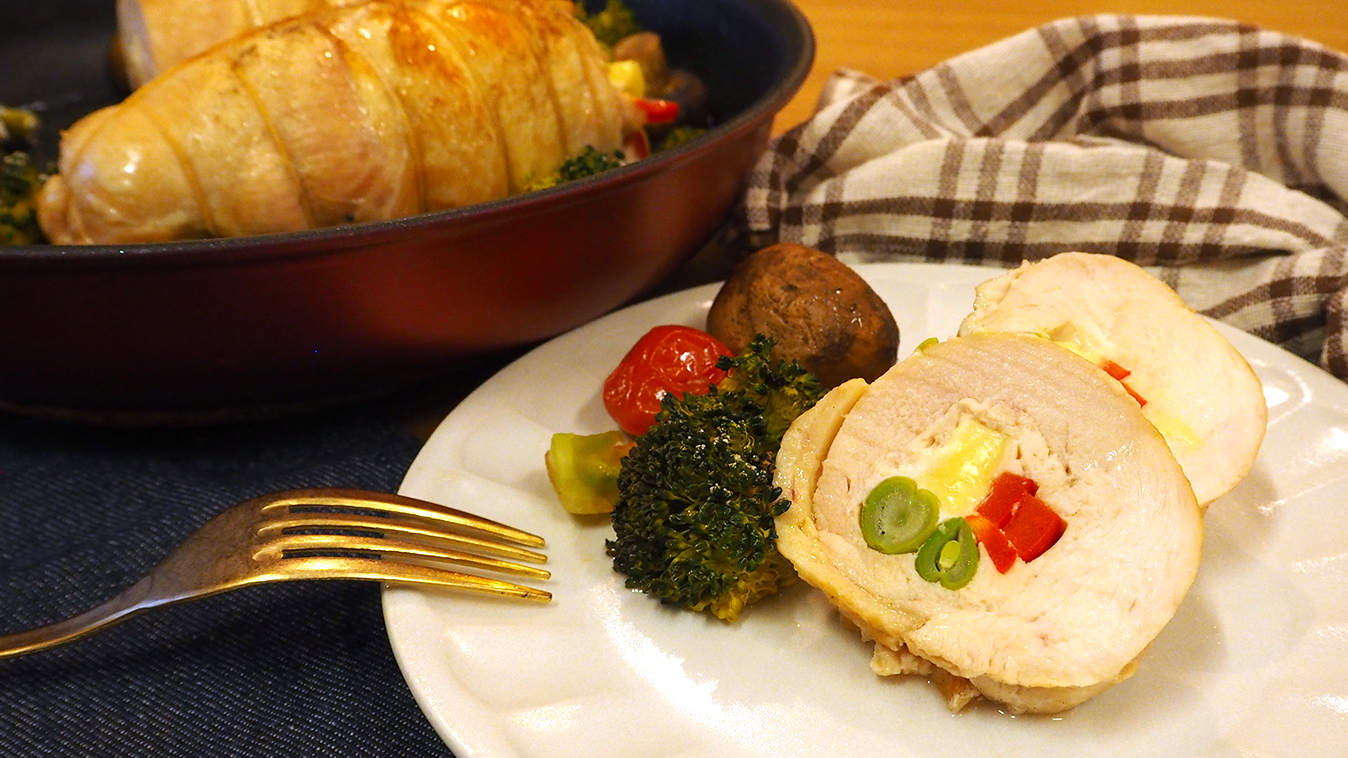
(1254, 663)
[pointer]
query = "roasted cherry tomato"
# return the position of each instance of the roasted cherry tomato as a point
(678, 359)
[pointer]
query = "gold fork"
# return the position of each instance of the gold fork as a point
(316, 534)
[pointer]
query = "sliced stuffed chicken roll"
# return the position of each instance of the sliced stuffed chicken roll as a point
(995, 513)
(1191, 382)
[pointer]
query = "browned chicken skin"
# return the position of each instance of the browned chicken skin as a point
(156, 35)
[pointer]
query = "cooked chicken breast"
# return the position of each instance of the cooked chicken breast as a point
(361, 113)
(1198, 390)
(1051, 631)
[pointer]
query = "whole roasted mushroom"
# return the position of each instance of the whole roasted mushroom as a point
(820, 312)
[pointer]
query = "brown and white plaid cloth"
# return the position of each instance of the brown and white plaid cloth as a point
(1214, 153)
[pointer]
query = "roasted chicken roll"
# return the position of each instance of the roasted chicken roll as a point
(156, 35)
(996, 514)
(362, 113)
(1191, 382)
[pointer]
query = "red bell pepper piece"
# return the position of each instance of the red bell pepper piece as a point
(1141, 401)
(1034, 527)
(1007, 489)
(658, 111)
(1011, 521)
(1114, 369)
(1000, 549)
(1120, 373)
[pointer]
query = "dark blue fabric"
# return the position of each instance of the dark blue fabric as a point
(298, 669)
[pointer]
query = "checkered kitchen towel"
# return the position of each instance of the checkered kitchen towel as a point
(1214, 153)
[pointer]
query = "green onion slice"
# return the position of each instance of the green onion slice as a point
(949, 555)
(897, 516)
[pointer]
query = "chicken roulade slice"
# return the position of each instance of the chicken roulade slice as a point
(1051, 629)
(363, 113)
(1194, 385)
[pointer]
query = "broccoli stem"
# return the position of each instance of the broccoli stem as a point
(583, 469)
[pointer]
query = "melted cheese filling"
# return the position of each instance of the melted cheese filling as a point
(958, 456)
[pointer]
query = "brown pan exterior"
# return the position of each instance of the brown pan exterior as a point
(202, 330)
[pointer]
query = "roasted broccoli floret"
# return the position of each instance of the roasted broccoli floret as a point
(611, 24)
(19, 178)
(588, 163)
(18, 128)
(19, 182)
(780, 390)
(694, 523)
(678, 136)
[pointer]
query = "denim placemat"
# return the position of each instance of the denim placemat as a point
(297, 669)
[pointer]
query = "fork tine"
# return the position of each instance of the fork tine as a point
(329, 542)
(399, 505)
(333, 521)
(325, 567)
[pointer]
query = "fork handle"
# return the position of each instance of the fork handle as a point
(129, 602)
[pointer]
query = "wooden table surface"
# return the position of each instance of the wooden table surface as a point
(889, 38)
